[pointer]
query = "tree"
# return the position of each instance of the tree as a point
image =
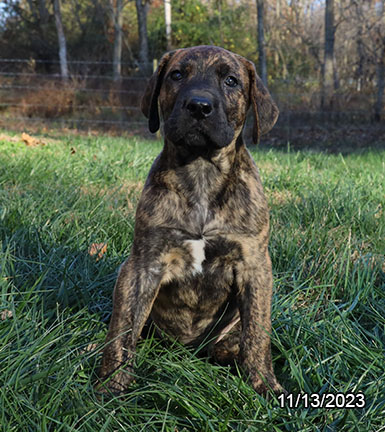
(142, 10)
(167, 19)
(262, 69)
(329, 61)
(117, 16)
(368, 20)
(380, 62)
(61, 40)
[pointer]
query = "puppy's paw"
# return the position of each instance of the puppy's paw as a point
(267, 385)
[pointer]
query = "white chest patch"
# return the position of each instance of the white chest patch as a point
(198, 252)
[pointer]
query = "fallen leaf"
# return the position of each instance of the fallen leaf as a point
(378, 213)
(5, 137)
(98, 250)
(90, 347)
(31, 141)
(6, 314)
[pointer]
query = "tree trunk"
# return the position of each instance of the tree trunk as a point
(380, 69)
(117, 9)
(141, 10)
(43, 12)
(262, 69)
(329, 78)
(167, 20)
(360, 54)
(61, 39)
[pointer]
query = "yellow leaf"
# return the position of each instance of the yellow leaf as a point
(98, 250)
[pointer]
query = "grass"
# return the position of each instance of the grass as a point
(327, 241)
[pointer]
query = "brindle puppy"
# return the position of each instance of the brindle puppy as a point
(199, 265)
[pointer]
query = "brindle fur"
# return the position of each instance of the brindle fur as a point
(203, 186)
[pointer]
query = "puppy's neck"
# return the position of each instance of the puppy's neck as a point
(198, 174)
(179, 156)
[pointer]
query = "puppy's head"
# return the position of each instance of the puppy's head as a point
(204, 93)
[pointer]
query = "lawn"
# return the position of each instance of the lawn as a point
(327, 245)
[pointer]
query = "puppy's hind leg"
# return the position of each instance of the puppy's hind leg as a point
(225, 349)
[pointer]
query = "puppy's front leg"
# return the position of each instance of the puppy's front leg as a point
(134, 294)
(255, 285)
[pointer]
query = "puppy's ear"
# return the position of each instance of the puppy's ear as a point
(149, 103)
(265, 110)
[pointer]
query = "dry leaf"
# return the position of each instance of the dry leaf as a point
(89, 348)
(98, 250)
(31, 141)
(378, 213)
(5, 137)
(5, 314)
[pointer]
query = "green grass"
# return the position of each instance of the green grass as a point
(327, 241)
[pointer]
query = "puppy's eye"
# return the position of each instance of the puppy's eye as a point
(176, 75)
(231, 81)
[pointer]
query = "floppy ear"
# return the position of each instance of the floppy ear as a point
(265, 110)
(149, 103)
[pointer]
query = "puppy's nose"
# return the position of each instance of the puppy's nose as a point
(199, 107)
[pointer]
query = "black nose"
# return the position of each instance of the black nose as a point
(199, 107)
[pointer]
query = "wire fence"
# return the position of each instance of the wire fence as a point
(33, 95)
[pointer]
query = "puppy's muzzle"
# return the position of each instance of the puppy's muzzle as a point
(199, 107)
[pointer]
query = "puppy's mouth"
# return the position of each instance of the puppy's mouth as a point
(196, 138)
(197, 134)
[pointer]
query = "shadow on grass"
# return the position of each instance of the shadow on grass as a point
(61, 275)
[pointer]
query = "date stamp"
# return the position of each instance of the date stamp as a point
(325, 400)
